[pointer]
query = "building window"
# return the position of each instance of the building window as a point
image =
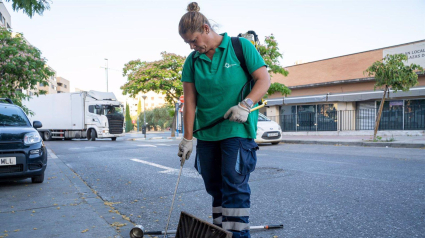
(60, 84)
(392, 115)
(414, 114)
(327, 117)
(65, 85)
(53, 86)
(8, 26)
(41, 84)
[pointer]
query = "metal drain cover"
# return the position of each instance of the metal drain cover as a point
(192, 227)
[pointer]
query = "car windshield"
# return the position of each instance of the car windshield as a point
(12, 116)
(261, 117)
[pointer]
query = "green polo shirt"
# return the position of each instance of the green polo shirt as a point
(218, 84)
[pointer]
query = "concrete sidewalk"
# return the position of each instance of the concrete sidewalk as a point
(62, 206)
(357, 140)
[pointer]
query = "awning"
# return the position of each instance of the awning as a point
(355, 97)
(274, 101)
(294, 100)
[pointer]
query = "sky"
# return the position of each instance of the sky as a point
(77, 35)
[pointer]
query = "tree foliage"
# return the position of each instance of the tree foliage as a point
(30, 7)
(128, 123)
(271, 55)
(278, 88)
(157, 118)
(392, 72)
(21, 68)
(162, 76)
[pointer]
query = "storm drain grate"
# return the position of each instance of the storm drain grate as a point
(192, 227)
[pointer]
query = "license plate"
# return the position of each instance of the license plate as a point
(4, 161)
(272, 134)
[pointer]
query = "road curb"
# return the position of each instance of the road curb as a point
(357, 143)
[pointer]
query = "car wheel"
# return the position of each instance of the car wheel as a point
(38, 179)
(275, 143)
(114, 138)
(47, 135)
(92, 135)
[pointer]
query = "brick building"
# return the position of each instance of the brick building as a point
(335, 95)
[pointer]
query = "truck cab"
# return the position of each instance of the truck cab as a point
(104, 116)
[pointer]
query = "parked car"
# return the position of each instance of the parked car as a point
(268, 131)
(22, 151)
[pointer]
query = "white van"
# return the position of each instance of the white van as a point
(268, 131)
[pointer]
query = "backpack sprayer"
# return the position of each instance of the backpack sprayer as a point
(190, 226)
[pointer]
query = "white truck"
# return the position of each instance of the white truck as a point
(79, 115)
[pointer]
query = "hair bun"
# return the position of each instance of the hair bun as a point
(193, 7)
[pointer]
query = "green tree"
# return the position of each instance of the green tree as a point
(157, 118)
(392, 72)
(271, 55)
(128, 123)
(30, 7)
(21, 68)
(161, 76)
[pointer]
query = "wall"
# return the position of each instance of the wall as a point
(5, 14)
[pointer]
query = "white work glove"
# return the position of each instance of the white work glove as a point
(237, 113)
(185, 149)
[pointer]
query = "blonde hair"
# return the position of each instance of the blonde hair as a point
(193, 20)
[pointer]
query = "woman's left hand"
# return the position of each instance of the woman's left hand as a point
(237, 113)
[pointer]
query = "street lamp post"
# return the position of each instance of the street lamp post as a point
(144, 113)
(106, 71)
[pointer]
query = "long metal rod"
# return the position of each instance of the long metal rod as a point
(174, 196)
(262, 227)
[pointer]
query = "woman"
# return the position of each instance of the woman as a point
(226, 153)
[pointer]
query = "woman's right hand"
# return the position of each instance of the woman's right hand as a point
(185, 149)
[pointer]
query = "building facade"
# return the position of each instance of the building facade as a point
(63, 85)
(152, 100)
(5, 19)
(52, 86)
(335, 95)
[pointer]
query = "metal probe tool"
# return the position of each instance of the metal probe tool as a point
(174, 196)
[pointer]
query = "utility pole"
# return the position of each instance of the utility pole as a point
(144, 113)
(106, 71)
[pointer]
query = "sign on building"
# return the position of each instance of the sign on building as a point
(415, 53)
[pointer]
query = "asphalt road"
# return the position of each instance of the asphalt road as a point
(314, 190)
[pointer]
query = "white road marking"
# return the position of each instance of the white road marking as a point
(147, 145)
(90, 147)
(74, 148)
(152, 164)
(51, 154)
(163, 144)
(168, 170)
(332, 162)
